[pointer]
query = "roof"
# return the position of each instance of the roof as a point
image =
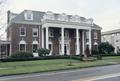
(36, 18)
(96, 26)
(111, 32)
(38, 15)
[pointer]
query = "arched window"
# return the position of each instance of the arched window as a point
(35, 46)
(49, 15)
(22, 45)
(62, 17)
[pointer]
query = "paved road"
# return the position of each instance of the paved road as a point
(110, 79)
(71, 75)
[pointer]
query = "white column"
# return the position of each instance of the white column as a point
(62, 40)
(77, 42)
(46, 37)
(0, 51)
(90, 40)
(42, 38)
(83, 43)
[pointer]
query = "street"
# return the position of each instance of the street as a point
(105, 73)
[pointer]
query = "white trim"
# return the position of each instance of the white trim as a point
(39, 32)
(61, 25)
(62, 40)
(90, 41)
(24, 31)
(77, 42)
(32, 47)
(50, 43)
(35, 29)
(22, 42)
(83, 42)
(42, 37)
(47, 39)
(95, 43)
(35, 42)
(25, 22)
(28, 13)
(25, 47)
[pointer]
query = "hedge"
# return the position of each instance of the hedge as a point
(9, 59)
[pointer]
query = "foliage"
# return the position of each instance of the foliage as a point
(43, 52)
(21, 54)
(105, 48)
(39, 58)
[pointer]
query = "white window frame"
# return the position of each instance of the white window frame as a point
(28, 13)
(35, 30)
(32, 48)
(20, 48)
(87, 34)
(51, 33)
(95, 35)
(24, 31)
(66, 34)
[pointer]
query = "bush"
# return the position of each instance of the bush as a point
(43, 52)
(22, 55)
(95, 52)
(105, 48)
(9, 59)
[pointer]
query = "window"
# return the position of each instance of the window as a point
(66, 34)
(95, 35)
(75, 18)
(49, 15)
(87, 35)
(22, 47)
(51, 33)
(35, 48)
(62, 17)
(22, 31)
(28, 15)
(117, 40)
(35, 32)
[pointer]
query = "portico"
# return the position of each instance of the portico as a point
(65, 45)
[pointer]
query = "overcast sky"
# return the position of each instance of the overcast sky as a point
(106, 13)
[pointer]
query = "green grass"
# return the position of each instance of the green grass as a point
(51, 65)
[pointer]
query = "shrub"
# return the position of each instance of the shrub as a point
(105, 48)
(21, 54)
(43, 52)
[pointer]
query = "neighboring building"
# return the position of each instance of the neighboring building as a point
(113, 37)
(61, 33)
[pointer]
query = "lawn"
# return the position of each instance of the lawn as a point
(7, 68)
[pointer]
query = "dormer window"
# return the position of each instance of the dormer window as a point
(63, 17)
(48, 15)
(28, 15)
(75, 18)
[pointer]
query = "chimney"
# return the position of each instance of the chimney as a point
(8, 16)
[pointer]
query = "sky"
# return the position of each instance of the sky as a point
(106, 13)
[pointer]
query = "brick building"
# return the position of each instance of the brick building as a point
(61, 33)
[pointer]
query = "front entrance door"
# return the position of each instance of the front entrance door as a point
(66, 49)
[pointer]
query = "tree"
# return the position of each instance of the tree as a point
(105, 48)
